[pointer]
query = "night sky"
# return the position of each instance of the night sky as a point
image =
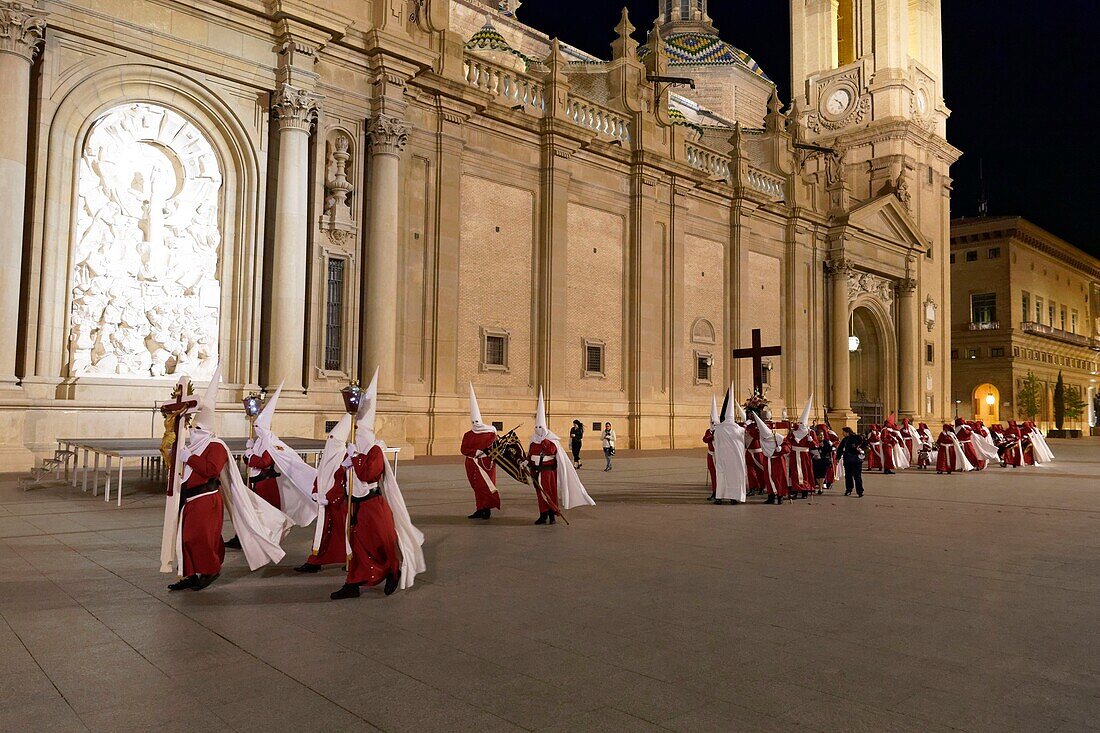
(1016, 85)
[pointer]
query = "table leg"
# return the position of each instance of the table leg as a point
(119, 487)
(107, 480)
(84, 473)
(95, 476)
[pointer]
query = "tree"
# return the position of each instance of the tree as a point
(1059, 402)
(1075, 406)
(1027, 398)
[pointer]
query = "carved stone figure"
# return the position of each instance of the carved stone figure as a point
(146, 248)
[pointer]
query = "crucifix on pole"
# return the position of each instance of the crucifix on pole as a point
(757, 354)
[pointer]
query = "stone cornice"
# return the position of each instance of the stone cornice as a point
(22, 28)
(978, 231)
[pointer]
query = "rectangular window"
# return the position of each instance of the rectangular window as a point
(954, 353)
(983, 308)
(1050, 314)
(972, 353)
(929, 353)
(972, 256)
(952, 258)
(1025, 300)
(993, 253)
(593, 359)
(703, 363)
(334, 314)
(1038, 310)
(1062, 318)
(494, 350)
(596, 427)
(997, 351)
(1073, 322)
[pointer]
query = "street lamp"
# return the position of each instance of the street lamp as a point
(957, 403)
(853, 343)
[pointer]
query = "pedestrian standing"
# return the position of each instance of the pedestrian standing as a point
(852, 450)
(608, 441)
(576, 437)
(823, 459)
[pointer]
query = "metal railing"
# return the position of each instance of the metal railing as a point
(985, 325)
(1057, 334)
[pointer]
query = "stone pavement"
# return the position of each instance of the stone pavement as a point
(968, 602)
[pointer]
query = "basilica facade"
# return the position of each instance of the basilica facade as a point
(305, 190)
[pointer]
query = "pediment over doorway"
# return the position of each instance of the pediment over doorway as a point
(887, 218)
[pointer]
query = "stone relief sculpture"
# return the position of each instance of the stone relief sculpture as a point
(145, 293)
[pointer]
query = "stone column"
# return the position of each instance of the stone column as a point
(295, 110)
(908, 349)
(21, 31)
(840, 413)
(387, 137)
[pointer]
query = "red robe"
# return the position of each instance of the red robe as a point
(1021, 453)
(374, 552)
(801, 461)
(544, 455)
(830, 477)
(332, 550)
(203, 548)
(755, 461)
(266, 488)
(889, 440)
(945, 456)
(908, 442)
(708, 439)
(874, 450)
(474, 444)
(965, 434)
(777, 475)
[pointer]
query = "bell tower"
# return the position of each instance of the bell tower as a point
(685, 16)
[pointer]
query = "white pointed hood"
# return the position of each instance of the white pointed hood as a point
(803, 428)
(479, 425)
(730, 472)
(714, 419)
(768, 441)
(368, 412)
(542, 430)
(206, 416)
(739, 411)
(263, 420)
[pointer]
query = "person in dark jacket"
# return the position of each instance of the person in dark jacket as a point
(822, 457)
(852, 450)
(576, 436)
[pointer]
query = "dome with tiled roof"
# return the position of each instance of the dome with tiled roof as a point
(693, 48)
(490, 39)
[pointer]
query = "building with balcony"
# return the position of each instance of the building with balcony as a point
(1022, 300)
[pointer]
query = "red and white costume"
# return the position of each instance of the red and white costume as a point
(277, 473)
(874, 449)
(331, 495)
(775, 452)
(965, 434)
(708, 441)
(481, 472)
(731, 471)
(950, 457)
(556, 476)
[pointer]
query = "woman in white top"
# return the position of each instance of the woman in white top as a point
(608, 441)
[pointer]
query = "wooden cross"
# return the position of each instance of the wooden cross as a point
(757, 354)
(173, 415)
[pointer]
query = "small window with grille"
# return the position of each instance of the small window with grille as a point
(593, 359)
(334, 314)
(929, 353)
(704, 364)
(972, 256)
(494, 350)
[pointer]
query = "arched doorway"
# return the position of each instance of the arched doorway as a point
(868, 359)
(987, 403)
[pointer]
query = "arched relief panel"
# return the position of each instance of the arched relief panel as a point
(232, 147)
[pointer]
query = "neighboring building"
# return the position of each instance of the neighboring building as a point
(306, 190)
(1023, 300)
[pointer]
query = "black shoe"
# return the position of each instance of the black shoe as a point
(771, 499)
(348, 590)
(551, 518)
(233, 544)
(888, 473)
(805, 494)
(733, 502)
(480, 514)
(710, 498)
(542, 518)
(204, 580)
(847, 493)
(184, 583)
(308, 568)
(391, 583)
(859, 495)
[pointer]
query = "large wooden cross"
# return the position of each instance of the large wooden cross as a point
(757, 354)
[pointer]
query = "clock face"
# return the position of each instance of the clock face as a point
(838, 102)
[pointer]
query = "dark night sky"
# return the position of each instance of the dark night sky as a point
(1015, 82)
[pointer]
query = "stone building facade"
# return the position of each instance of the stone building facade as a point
(1023, 300)
(306, 190)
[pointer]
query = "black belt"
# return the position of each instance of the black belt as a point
(190, 492)
(357, 500)
(264, 475)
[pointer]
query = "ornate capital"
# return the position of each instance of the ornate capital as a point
(22, 28)
(838, 268)
(387, 135)
(906, 286)
(295, 108)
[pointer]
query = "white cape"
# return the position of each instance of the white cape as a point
(259, 526)
(961, 463)
(730, 468)
(296, 481)
(1040, 449)
(571, 492)
(985, 447)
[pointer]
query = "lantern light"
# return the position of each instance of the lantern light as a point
(853, 343)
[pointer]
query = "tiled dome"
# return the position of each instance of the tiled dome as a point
(490, 39)
(705, 49)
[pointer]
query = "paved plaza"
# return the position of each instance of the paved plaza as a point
(969, 602)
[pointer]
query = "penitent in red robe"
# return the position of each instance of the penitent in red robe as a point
(965, 434)
(874, 450)
(544, 456)
(332, 550)
(201, 531)
(754, 460)
(777, 475)
(474, 446)
(265, 482)
(708, 439)
(375, 554)
(945, 457)
(801, 462)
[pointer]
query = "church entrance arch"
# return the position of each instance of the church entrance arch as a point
(987, 401)
(869, 358)
(145, 291)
